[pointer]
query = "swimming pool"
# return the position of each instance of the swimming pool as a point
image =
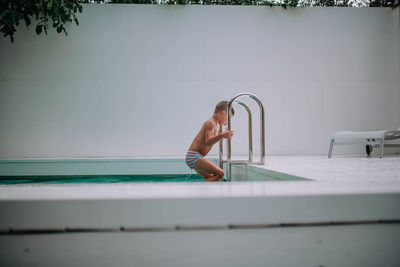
(74, 223)
(152, 170)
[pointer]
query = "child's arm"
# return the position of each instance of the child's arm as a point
(211, 138)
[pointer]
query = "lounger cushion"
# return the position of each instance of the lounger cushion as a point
(387, 134)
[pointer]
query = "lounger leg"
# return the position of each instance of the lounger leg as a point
(331, 148)
(381, 149)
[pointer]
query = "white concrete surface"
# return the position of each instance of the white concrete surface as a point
(338, 175)
(139, 80)
(344, 246)
(191, 224)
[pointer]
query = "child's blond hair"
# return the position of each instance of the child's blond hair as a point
(222, 106)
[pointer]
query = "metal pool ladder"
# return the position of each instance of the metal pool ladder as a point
(228, 161)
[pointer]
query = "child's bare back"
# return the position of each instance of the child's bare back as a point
(204, 141)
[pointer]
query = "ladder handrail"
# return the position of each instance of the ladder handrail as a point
(250, 137)
(221, 153)
(262, 132)
(250, 129)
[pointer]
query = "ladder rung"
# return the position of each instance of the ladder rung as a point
(240, 161)
(243, 161)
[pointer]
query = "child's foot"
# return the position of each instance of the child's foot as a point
(212, 179)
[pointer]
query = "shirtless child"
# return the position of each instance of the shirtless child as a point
(203, 142)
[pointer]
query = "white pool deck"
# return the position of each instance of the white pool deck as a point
(342, 174)
(348, 215)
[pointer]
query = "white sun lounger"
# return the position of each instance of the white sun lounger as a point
(371, 139)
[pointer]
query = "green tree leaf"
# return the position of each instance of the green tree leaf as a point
(27, 21)
(39, 29)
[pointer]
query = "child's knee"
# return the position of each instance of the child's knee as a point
(220, 174)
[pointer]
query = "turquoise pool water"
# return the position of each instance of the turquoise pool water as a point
(65, 171)
(67, 179)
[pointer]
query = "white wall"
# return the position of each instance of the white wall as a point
(139, 80)
(396, 34)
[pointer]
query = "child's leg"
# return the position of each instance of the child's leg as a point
(208, 170)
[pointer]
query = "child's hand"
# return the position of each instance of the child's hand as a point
(227, 134)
